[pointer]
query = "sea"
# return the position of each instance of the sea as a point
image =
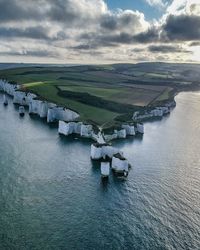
(52, 195)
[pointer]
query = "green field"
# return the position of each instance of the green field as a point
(100, 94)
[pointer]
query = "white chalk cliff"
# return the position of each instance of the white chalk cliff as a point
(99, 151)
(105, 169)
(8, 88)
(59, 113)
(140, 128)
(130, 129)
(22, 98)
(119, 164)
(68, 128)
(154, 112)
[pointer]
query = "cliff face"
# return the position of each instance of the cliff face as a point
(55, 113)
(86, 131)
(101, 151)
(40, 107)
(69, 128)
(105, 168)
(130, 129)
(22, 98)
(60, 113)
(154, 112)
(8, 88)
(140, 128)
(127, 130)
(36, 106)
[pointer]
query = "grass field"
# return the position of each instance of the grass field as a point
(114, 87)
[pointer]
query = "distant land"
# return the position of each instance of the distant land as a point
(105, 95)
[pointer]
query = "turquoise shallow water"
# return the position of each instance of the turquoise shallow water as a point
(52, 196)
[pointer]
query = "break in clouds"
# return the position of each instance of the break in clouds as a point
(88, 31)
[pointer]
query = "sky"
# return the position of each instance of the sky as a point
(99, 31)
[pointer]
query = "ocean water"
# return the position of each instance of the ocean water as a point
(52, 195)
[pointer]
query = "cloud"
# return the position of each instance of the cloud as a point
(83, 30)
(167, 49)
(193, 44)
(195, 8)
(182, 28)
(151, 35)
(156, 3)
(13, 10)
(132, 21)
(37, 32)
(30, 53)
(63, 11)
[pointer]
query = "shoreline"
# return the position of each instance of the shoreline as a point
(101, 150)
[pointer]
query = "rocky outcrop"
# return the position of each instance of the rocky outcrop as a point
(127, 130)
(68, 128)
(105, 169)
(79, 128)
(117, 134)
(121, 134)
(130, 129)
(68, 125)
(22, 98)
(110, 137)
(37, 106)
(100, 151)
(40, 107)
(120, 164)
(60, 113)
(8, 88)
(157, 112)
(86, 131)
(140, 128)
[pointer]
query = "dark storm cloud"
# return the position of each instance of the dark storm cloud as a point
(41, 53)
(96, 44)
(37, 10)
(151, 35)
(68, 13)
(166, 49)
(113, 40)
(123, 20)
(182, 28)
(122, 38)
(62, 11)
(18, 10)
(38, 32)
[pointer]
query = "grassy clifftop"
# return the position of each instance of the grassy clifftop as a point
(102, 94)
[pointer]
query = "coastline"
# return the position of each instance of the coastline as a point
(50, 166)
(101, 150)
